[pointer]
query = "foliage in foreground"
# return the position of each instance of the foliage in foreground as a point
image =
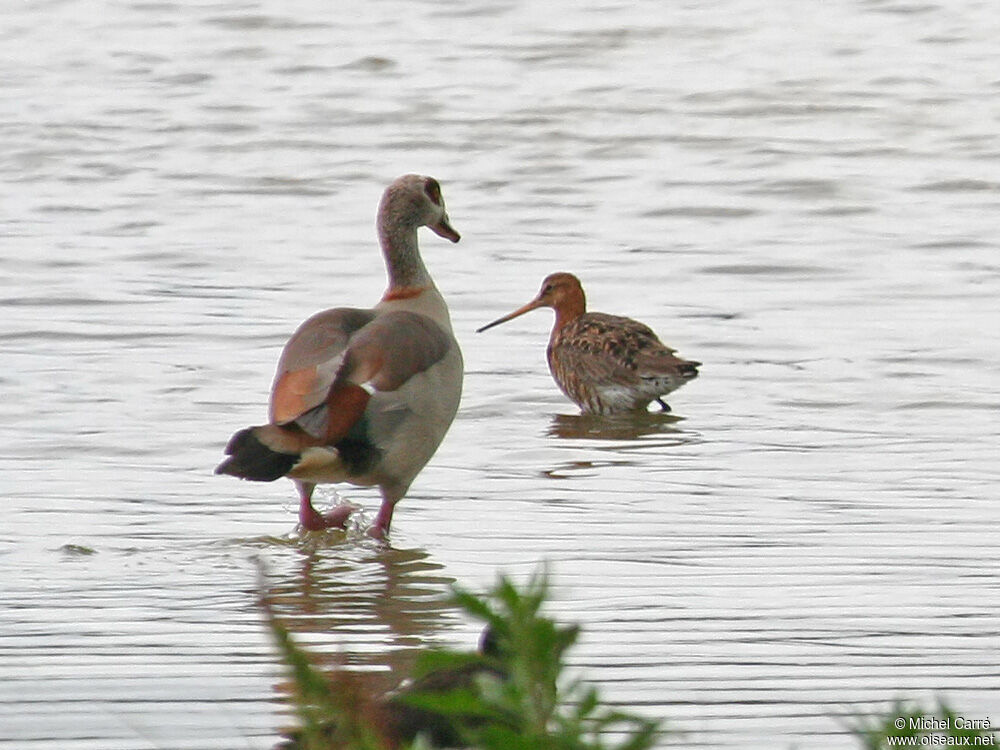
(515, 696)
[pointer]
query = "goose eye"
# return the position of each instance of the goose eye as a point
(433, 190)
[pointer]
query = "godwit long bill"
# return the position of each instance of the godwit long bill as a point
(364, 396)
(607, 364)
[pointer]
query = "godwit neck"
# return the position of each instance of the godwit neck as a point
(568, 301)
(410, 202)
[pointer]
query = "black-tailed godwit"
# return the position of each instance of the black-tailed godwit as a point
(606, 364)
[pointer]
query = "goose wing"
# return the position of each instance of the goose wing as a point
(338, 359)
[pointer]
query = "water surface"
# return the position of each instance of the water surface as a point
(804, 199)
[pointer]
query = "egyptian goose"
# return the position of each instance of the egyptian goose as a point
(364, 396)
(607, 364)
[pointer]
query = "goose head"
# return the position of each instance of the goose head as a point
(415, 200)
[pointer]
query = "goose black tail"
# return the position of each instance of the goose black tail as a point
(251, 459)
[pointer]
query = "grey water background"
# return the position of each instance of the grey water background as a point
(802, 196)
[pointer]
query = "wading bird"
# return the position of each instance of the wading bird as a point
(364, 396)
(606, 364)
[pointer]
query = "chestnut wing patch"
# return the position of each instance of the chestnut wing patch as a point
(311, 360)
(327, 399)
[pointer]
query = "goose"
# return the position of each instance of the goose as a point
(364, 396)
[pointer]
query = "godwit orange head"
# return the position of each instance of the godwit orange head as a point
(561, 291)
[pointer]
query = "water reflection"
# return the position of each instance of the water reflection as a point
(631, 426)
(622, 441)
(825, 521)
(361, 606)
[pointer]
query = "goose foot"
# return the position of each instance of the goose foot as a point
(312, 520)
(377, 532)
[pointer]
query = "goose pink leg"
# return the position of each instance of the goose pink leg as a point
(311, 519)
(380, 529)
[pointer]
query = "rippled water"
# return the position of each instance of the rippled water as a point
(803, 198)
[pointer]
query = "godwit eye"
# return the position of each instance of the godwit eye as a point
(433, 190)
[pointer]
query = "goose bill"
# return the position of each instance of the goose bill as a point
(444, 229)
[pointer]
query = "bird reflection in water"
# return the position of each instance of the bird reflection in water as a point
(630, 426)
(363, 612)
(390, 719)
